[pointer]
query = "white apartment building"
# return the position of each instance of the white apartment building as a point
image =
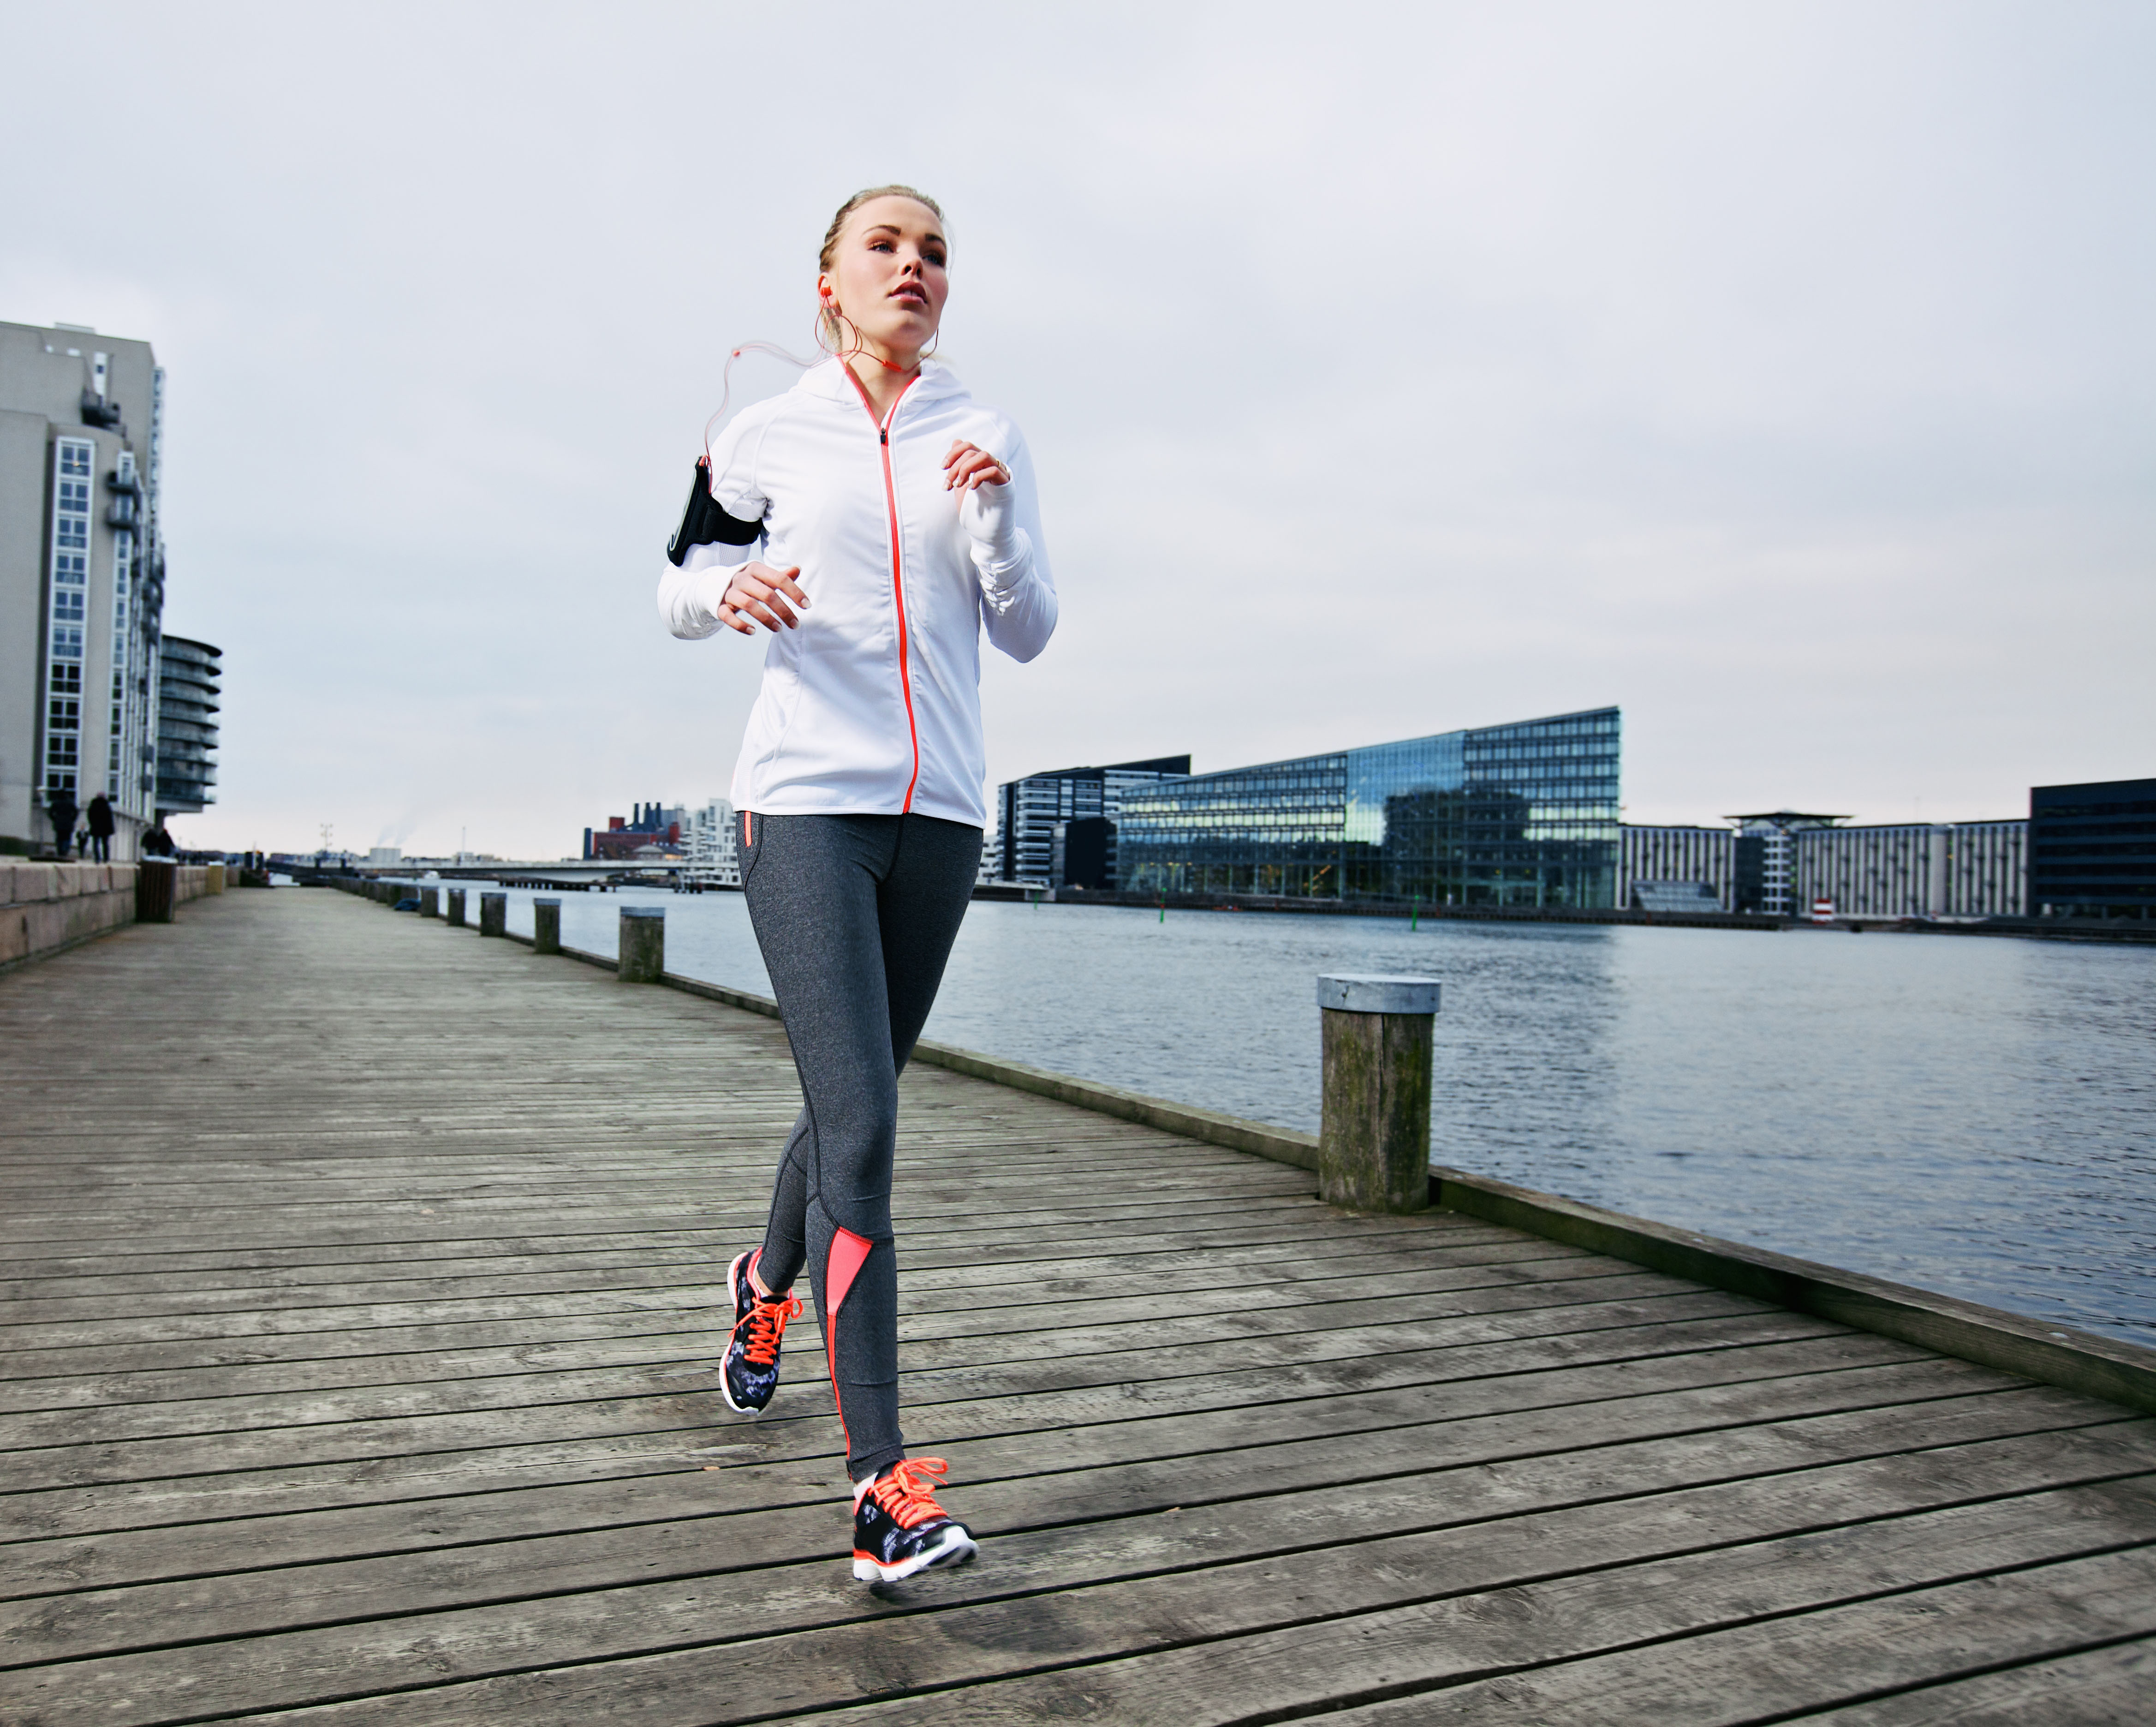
(81, 577)
(714, 851)
(1971, 869)
(1651, 860)
(1782, 864)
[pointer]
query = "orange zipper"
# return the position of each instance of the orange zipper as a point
(897, 578)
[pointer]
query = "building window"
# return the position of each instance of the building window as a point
(71, 571)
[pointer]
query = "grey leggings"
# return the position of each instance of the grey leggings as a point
(855, 915)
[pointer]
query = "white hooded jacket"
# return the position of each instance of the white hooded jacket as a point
(872, 706)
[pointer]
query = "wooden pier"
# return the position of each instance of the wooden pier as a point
(362, 1292)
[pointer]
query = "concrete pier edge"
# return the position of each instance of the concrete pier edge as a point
(2060, 1356)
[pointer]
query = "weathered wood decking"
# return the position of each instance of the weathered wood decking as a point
(355, 1364)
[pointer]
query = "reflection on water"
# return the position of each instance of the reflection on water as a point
(1972, 1115)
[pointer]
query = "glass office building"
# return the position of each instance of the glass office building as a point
(1524, 814)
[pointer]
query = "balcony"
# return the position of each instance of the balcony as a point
(98, 412)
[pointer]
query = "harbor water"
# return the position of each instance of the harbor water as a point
(1972, 1115)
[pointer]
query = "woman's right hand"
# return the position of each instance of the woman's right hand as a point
(755, 592)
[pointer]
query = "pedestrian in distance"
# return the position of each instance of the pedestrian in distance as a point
(100, 822)
(60, 805)
(874, 520)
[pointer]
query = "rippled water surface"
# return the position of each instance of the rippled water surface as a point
(1975, 1115)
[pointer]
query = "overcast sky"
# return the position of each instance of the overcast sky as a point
(1782, 374)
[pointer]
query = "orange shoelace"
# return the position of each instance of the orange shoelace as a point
(766, 1324)
(905, 1493)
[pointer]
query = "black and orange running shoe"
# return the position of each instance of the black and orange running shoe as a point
(898, 1527)
(750, 1372)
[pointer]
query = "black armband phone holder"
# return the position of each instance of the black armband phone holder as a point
(704, 523)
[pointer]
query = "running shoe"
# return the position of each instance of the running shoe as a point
(750, 1374)
(898, 1527)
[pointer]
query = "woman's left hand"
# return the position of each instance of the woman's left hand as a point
(969, 467)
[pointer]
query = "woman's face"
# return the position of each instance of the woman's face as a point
(888, 276)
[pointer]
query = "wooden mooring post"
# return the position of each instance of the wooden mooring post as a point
(430, 902)
(493, 914)
(643, 944)
(545, 926)
(456, 919)
(1373, 1143)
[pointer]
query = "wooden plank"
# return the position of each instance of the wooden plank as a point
(1015, 1284)
(763, 1599)
(1430, 1648)
(1082, 1354)
(1924, 1637)
(1158, 1458)
(705, 1252)
(1235, 1638)
(704, 1295)
(2110, 1686)
(1260, 1371)
(1481, 1489)
(1201, 1412)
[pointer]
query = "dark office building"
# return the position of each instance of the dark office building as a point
(2093, 849)
(1524, 814)
(1083, 853)
(1030, 812)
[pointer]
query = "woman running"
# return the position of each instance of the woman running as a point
(897, 518)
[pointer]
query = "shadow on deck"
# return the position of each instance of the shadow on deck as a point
(363, 1284)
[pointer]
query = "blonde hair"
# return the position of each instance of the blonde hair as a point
(829, 319)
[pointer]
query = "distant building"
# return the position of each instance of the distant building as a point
(81, 577)
(1027, 811)
(653, 830)
(1764, 872)
(1971, 869)
(1677, 869)
(1522, 814)
(2093, 849)
(1987, 873)
(1083, 853)
(189, 681)
(714, 855)
(378, 855)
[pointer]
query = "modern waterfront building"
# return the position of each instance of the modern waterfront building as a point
(1029, 811)
(1523, 814)
(2093, 849)
(1764, 869)
(81, 577)
(189, 678)
(714, 853)
(1987, 870)
(1677, 869)
(1952, 870)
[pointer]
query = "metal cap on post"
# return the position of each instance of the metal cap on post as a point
(1374, 1145)
(545, 926)
(493, 914)
(456, 919)
(643, 944)
(430, 902)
